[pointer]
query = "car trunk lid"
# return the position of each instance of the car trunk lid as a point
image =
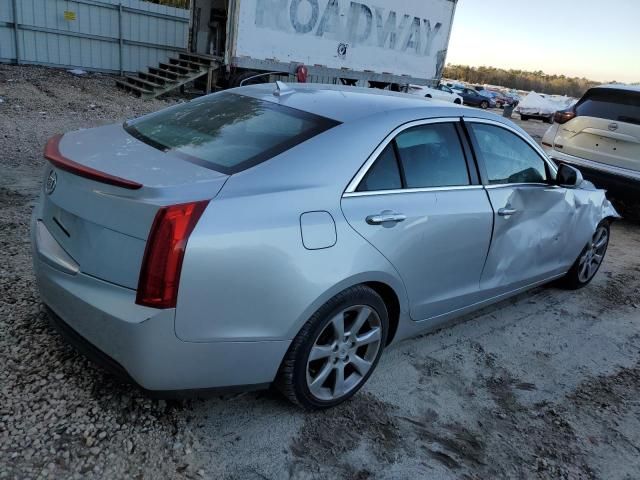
(601, 140)
(104, 225)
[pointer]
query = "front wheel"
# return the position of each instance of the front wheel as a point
(484, 105)
(336, 350)
(588, 263)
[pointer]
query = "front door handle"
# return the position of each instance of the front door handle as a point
(505, 212)
(386, 217)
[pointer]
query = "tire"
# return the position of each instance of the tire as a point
(428, 95)
(548, 120)
(457, 101)
(577, 277)
(237, 79)
(524, 118)
(314, 384)
(484, 105)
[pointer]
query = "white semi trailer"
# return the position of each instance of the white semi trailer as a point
(375, 43)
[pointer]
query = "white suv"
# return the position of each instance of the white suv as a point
(601, 136)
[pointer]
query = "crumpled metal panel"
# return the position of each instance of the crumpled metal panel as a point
(546, 234)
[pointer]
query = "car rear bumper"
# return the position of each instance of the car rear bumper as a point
(139, 343)
(621, 181)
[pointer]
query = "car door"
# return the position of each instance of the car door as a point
(471, 96)
(532, 216)
(419, 202)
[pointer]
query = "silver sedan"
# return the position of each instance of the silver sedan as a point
(286, 235)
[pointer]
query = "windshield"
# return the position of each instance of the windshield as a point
(227, 132)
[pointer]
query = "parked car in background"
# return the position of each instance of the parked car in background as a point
(536, 106)
(514, 97)
(601, 136)
(441, 92)
(490, 95)
(501, 99)
(473, 97)
(286, 235)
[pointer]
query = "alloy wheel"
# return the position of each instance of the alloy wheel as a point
(593, 255)
(344, 352)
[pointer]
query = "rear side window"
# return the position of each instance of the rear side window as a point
(420, 157)
(227, 132)
(617, 105)
(431, 156)
(507, 158)
(384, 174)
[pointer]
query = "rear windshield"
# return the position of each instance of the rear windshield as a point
(227, 132)
(618, 105)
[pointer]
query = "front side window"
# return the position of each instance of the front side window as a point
(226, 131)
(507, 157)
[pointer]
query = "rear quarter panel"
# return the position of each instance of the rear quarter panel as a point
(246, 273)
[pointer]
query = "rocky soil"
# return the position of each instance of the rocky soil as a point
(543, 386)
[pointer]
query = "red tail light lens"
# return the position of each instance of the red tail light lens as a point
(563, 116)
(52, 153)
(162, 263)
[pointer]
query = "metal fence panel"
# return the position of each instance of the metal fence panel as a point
(105, 35)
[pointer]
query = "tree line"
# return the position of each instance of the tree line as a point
(521, 80)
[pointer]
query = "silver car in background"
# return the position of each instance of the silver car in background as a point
(287, 234)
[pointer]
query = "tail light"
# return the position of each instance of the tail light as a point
(52, 153)
(563, 116)
(162, 263)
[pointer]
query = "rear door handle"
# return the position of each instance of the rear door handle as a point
(386, 217)
(505, 212)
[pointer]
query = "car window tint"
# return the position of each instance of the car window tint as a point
(384, 174)
(508, 158)
(431, 156)
(227, 132)
(617, 105)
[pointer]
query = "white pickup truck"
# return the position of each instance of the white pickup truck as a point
(377, 43)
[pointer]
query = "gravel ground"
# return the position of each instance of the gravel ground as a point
(545, 385)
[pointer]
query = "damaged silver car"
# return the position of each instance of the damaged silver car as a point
(287, 235)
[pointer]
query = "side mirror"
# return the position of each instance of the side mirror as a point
(568, 177)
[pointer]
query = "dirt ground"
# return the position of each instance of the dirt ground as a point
(542, 386)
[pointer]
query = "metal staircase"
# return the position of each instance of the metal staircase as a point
(169, 76)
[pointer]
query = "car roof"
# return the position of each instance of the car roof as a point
(620, 86)
(344, 103)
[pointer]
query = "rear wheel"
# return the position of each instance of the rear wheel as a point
(484, 105)
(457, 101)
(336, 351)
(590, 259)
(524, 118)
(548, 119)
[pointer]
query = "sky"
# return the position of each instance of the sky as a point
(596, 39)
